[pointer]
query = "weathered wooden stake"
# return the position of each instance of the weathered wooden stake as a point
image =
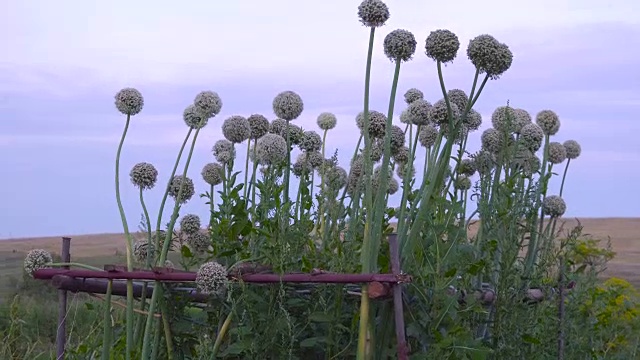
(403, 351)
(61, 337)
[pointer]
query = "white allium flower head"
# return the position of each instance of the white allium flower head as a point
(531, 136)
(463, 183)
(548, 122)
(397, 138)
(288, 105)
(129, 101)
(271, 149)
(504, 119)
(402, 168)
(522, 119)
(373, 13)
(458, 97)
(236, 129)
(377, 123)
(198, 241)
(439, 113)
(144, 175)
(404, 117)
(572, 148)
(442, 45)
(190, 223)
(419, 112)
(194, 117)
(301, 166)
(224, 151)
(466, 167)
(278, 127)
(259, 126)
(209, 103)
(188, 189)
(212, 279)
(428, 136)
(212, 173)
(557, 153)
(489, 56)
(314, 158)
(554, 206)
(484, 162)
(401, 154)
(311, 141)
(393, 185)
(377, 149)
(37, 259)
(492, 140)
(412, 95)
(326, 121)
(399, 45)
(473, 120)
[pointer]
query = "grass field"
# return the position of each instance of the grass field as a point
(99, 249)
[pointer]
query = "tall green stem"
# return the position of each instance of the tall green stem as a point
(108, 331)
(129, 312)
(146, 347)
(364, 300)
(246, 169)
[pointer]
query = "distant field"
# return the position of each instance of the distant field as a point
(98, 249)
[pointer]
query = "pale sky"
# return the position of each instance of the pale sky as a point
(62, 62)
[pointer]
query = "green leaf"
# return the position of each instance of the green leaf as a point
(530, 339)
(451, 272)
(89, 306)
(312, 341)
(186, 252)
(320, 317)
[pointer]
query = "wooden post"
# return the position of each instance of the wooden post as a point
(403, 351)
(61, 337)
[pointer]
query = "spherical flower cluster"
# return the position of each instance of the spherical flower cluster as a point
(439, 113)
(37, 259)
(393, 186)
(336, 177)
(462, 183)
(288, 105)
(224, 151)
(442, 45)
(211, 279)
(572, 148)
(377, 149)
(548, 122)
(194, 117)
(531, 136)
(279, 127)
(326, 121)
(301, 166)
(504, 119)
(458, 97)
(209, 103)
(296, 134)
(428, 136)
(418, 112)
(554, 206)
(314, 158)
(401, 154)
(412, 95)
(556, 152)
(377, 123)
(397, 138)
(198, 241)
(527, 161)
(188, 189)
(236, 129)
(460, 135)
(271, 149)
(190, 224)
(399, 45)
(142, 249)
(311, 141)
(466, 167)
(404, 117)
(259, 126)
(473, 120)
(129, 101)
(484, 162)
(212, 173)
(522, 119)
(405, 169)
(492, 140)
(144, 175)
(169, 264)
(489, 56)
(373, 13)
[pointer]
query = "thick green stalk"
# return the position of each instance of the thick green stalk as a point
(107, 336)
(166, 326)
(321, 218)
(406, 184)
(364, 300)
(564, 176)
(129, 312)
(163, 255)
(246, 169)
(220, 336)
(212, 204)
(288, 168)
(69, 264)
(253, 189)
